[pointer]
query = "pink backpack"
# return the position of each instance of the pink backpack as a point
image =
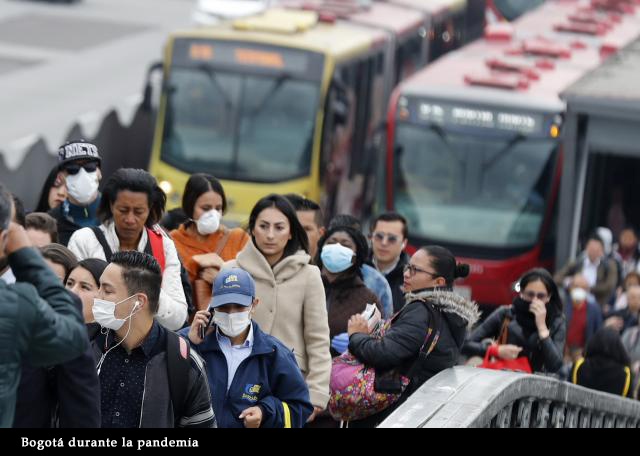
(356, 392)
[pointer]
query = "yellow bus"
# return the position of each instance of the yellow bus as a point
(280, 102)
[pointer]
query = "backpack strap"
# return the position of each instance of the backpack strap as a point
(223, 240)
(178, 365)
(576, 368)
(156, 246)
(108, 253)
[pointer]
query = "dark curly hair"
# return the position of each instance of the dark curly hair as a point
(133, 180)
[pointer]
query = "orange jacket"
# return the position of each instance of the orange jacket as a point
(189, 246)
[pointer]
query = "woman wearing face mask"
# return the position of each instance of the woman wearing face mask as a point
(342, 252)
(431, 305)
(536, 326)
(263, 386)
(131, 205)
(203, 242)
(80, 170)
(292, 300)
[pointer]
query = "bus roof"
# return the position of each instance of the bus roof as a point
(394, 18)
(295, 29)
(517, 70)
(434, 7)
(612, 85)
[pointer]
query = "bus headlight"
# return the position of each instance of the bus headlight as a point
(166, 187)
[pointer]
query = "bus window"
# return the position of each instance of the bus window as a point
(226, 120)
(461, 189)
(408, 57)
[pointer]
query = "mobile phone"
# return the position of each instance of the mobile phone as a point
(203, 329)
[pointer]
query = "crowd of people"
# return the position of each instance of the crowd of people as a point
(118, 314)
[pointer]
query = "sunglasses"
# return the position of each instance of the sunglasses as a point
(530, 295)
(380, 237)
(73, 168)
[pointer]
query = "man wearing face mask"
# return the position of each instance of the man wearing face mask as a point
(148, 376)
(255, 380)
(80, 166)
(583, 316)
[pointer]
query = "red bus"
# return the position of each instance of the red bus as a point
(473, 155)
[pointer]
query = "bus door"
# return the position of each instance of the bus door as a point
(354, 113)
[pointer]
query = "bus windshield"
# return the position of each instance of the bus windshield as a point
(239, 112)
(471, 189)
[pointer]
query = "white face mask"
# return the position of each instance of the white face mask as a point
(104, 313)
(233, 324)
(82, 186)
(209, 222)
(579, 295)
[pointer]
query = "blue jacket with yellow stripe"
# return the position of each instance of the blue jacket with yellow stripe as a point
(269, 378)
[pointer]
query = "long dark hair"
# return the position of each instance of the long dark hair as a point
(43, 202)
(606, 343)
(445, 265)
(133, 180)
(362, 248)
(198, 185)
(95, 266)
(299, 240)
(554, 307)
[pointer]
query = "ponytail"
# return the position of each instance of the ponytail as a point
(445, 265)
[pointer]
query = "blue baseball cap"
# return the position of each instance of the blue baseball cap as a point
(233, 286)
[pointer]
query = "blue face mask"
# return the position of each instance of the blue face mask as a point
(336, 258)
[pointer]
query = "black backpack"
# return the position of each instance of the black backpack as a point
(178, 366)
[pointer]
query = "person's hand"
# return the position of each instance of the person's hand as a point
(16, 238)
(200, 321)
(616, 323)
(252, 417)
(340, 343)
(208, 260)
(357, 324)
(539, 310)
(209, 274)
(508, 351)
(316, 411)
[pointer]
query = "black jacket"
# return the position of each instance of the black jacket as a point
(157, 409)
(603, 374)
(66, 226)
(400, 347)
(66, 395)
(544, 356)
(396, 279)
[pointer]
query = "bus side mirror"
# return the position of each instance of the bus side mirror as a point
(147, 100)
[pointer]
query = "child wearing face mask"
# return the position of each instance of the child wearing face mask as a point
(80, 168)
(254, 379)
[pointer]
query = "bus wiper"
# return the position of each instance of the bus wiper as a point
(518, 138)
(209, 71)
(277, 85)
(438, 130)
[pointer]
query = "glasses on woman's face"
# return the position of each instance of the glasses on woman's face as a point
(530, 295)
(380, 237)
(414, 270)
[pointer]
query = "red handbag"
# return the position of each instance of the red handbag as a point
(492, 361)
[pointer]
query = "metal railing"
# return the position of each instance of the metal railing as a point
(467, 397)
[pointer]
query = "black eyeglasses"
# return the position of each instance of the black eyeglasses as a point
(414, 270)
(380, 237)
(74, 168)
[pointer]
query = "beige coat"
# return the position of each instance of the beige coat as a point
(293, 310)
